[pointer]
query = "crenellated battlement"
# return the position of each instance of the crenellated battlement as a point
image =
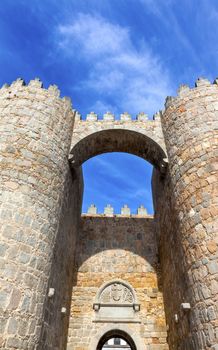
(17, 87)
(124, 117)
(125, 211)
(202, 87)
(10, 90)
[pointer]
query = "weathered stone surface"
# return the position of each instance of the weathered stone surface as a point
(186, 207)
(114, 248)
(40, 199)
(143, 137)
(36, 197)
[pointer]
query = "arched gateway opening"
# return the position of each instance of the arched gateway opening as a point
(116, 339)
(116, 279)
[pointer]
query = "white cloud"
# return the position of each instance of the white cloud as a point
(129, 75)
(95, 35)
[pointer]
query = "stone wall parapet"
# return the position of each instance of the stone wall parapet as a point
(202, 87)
(124, 211)
(17, 87)
(110, 117)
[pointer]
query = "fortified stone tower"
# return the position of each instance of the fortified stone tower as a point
(128, 272)
(186, 207)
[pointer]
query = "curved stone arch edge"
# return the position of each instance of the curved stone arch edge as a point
(118, 280)
(113, 328)
(158, 147)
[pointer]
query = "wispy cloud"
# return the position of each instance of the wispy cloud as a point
(155, 5)
(114, 169)
(122, 74)
(166, 13)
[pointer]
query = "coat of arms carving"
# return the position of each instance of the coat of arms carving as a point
(116, 300)
(116, 293)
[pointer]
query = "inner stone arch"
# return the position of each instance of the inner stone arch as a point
(116, 334)
(107, 332)
(118, 140)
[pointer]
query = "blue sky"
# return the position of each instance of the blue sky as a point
(117, 55)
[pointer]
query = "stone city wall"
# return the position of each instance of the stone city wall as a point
(43, 143)
(112, 247)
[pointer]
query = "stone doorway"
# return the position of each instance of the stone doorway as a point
(116, 344)
(109, 335)
(116, 340)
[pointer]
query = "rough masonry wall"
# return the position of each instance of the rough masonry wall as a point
(40, 199)
(110, 248)
(188, 217)
(55, 323)
(35, 128)
(171, 257)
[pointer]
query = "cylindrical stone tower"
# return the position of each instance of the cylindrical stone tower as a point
(189, 237)
(35, 135)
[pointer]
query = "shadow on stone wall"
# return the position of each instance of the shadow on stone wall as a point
(117, 245)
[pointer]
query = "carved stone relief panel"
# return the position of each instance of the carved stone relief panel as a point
(116, 302)
(117, 293)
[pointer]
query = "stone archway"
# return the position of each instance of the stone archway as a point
(143, 139)
(121, 331)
